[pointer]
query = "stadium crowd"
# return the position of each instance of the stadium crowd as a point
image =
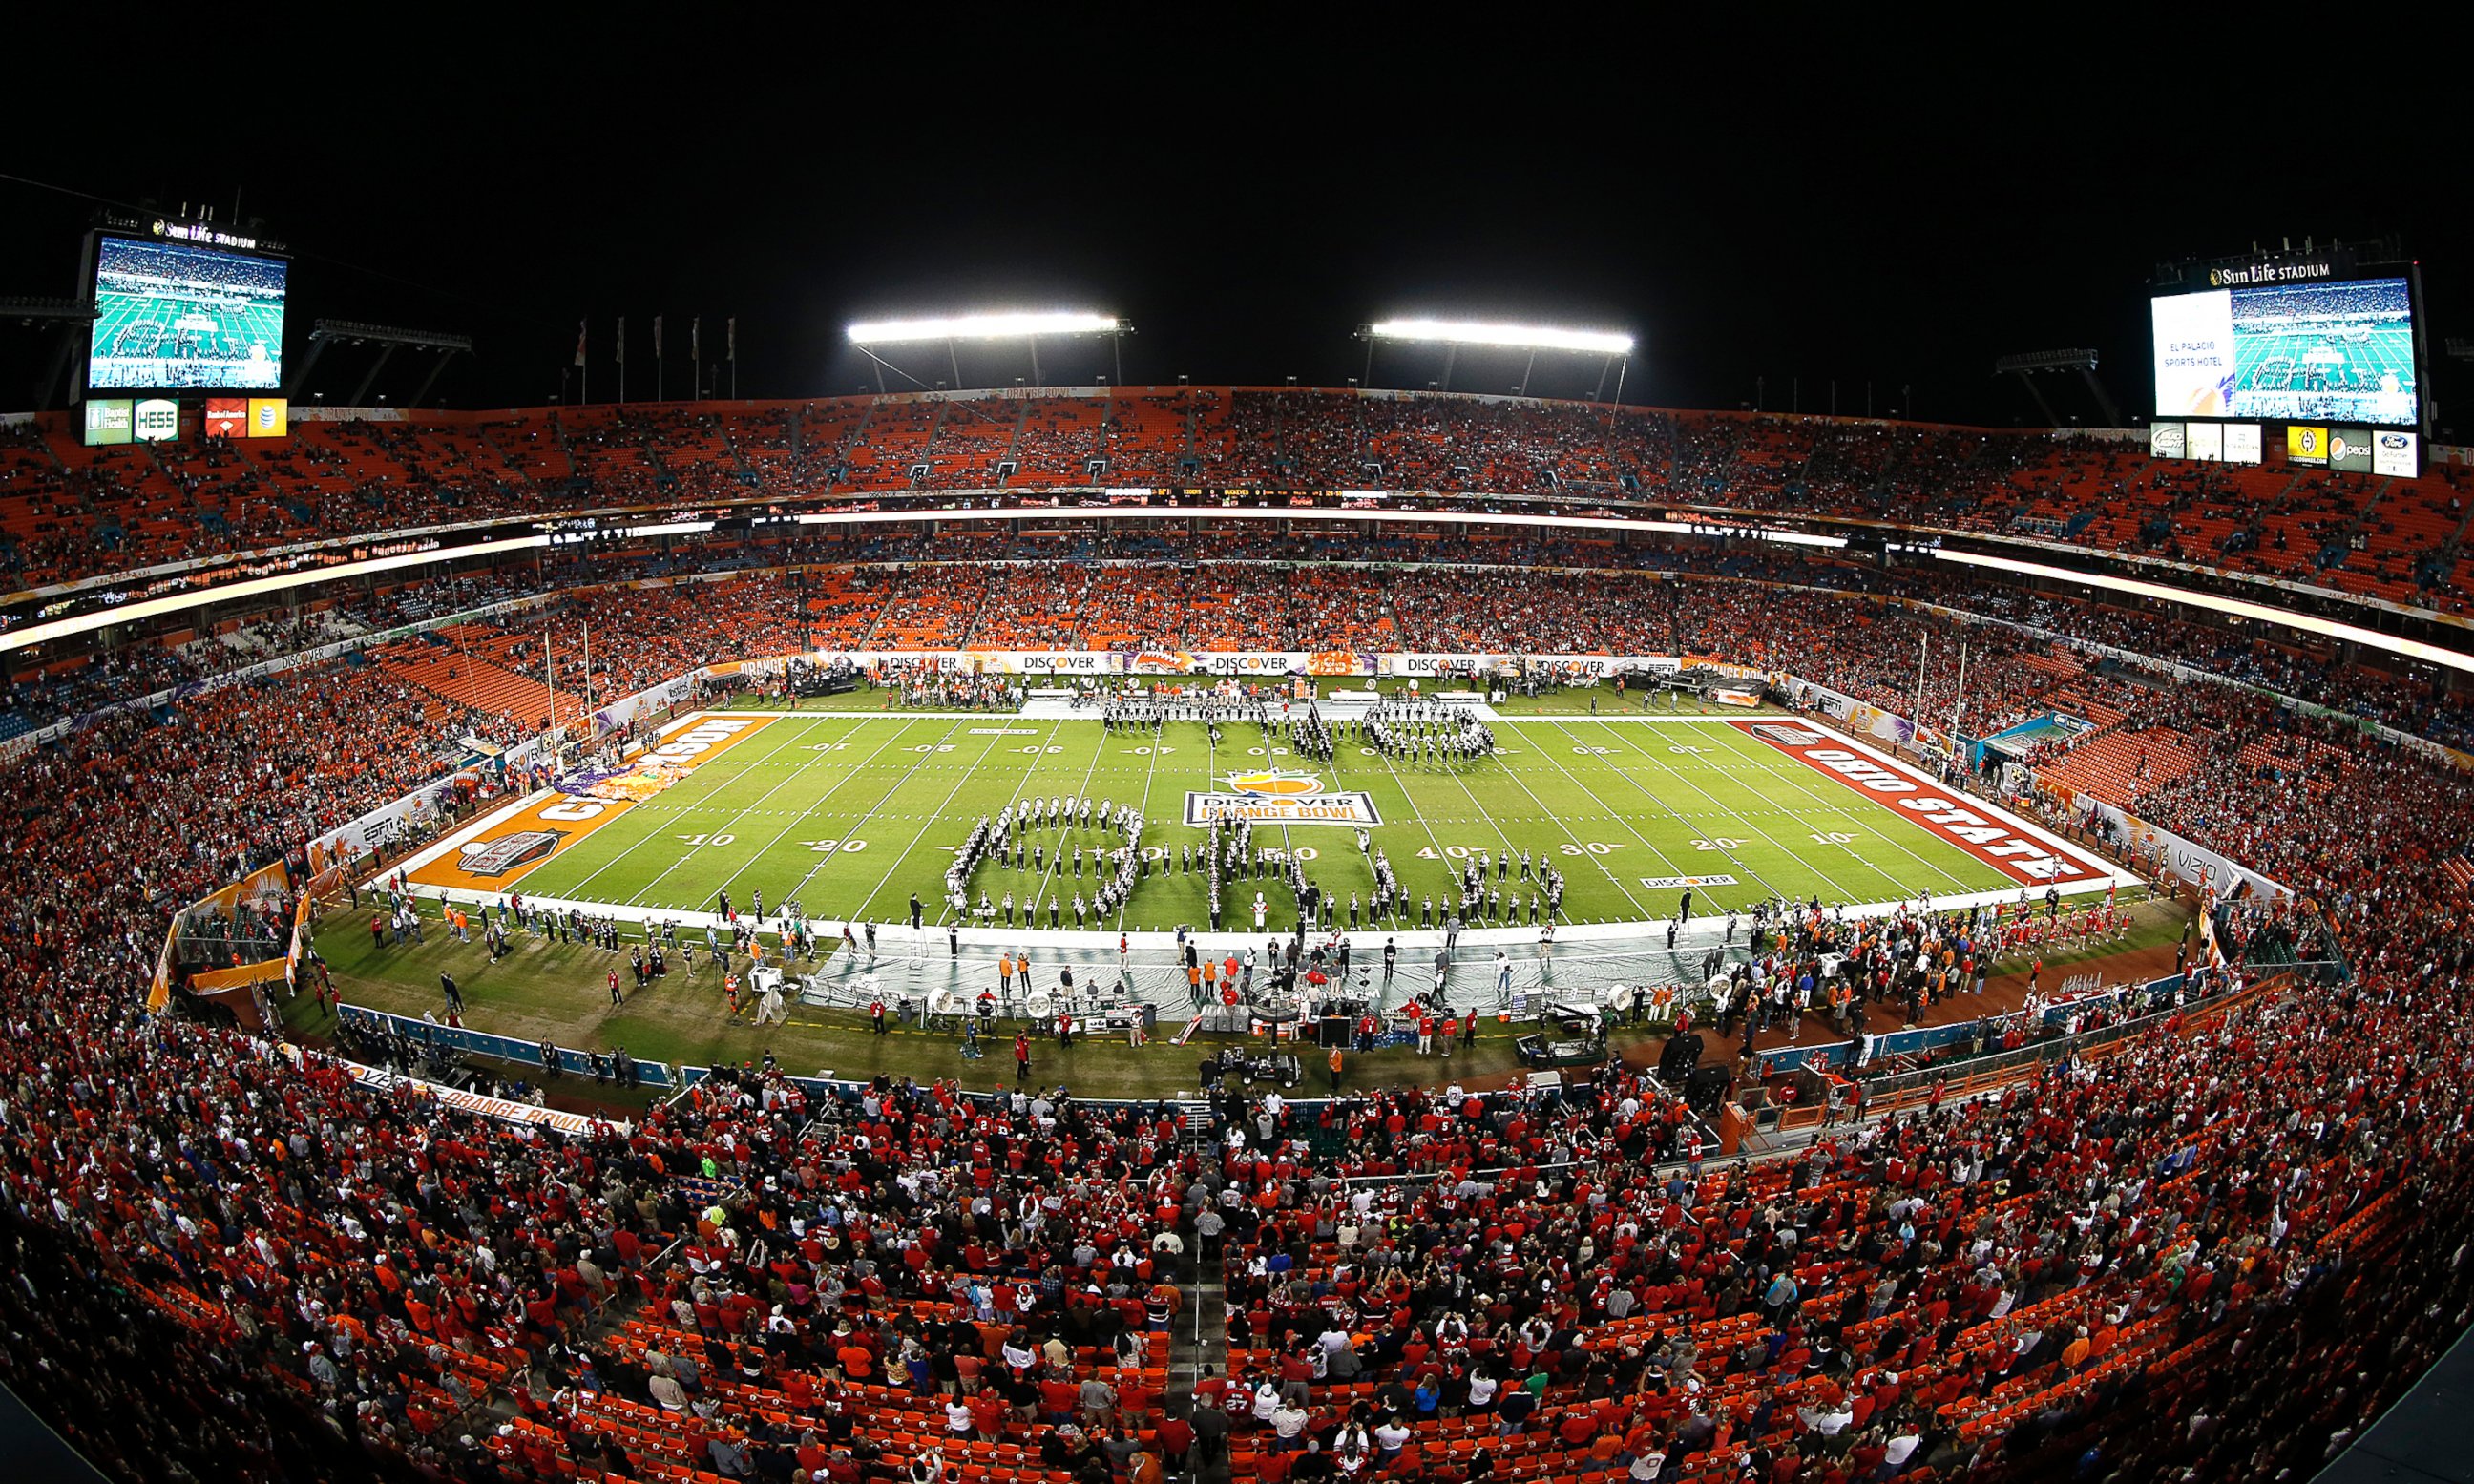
(73, 512)
(2212, 1254)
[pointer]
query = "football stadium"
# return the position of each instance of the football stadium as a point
(1029, 896)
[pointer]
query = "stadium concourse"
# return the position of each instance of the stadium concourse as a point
(2215, 1248)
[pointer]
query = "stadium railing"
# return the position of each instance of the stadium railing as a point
(431, 1035)
(1970, 1074)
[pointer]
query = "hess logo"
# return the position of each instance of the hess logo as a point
(1273, 784)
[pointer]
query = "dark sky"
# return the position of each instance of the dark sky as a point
(1805, 201)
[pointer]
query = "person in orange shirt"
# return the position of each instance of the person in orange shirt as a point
(2101, 1343)
(2074, 1355)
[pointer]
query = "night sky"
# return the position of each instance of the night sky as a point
(1799, 203)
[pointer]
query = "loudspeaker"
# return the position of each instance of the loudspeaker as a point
(1707, 1090)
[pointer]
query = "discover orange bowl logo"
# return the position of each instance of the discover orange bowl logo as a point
(1273, 784)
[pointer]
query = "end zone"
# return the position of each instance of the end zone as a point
(2030, 856)
(490, 856)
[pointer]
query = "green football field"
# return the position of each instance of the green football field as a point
(2267, 367)
(138, 338)
(850, 815)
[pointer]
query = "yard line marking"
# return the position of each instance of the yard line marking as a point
(1027, 768)
(1415, 812)
(1840, 804)
(798, 817)
(1835, 884)
(1145, 807)
(1056, 858)
(1553, 820)
(1675, 815)
(1674, 866)
(966, 775)
(712, 771)
(790, 776)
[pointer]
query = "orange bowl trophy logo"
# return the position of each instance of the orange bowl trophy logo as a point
(1274, 784)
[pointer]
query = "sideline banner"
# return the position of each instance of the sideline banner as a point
(263, 972)
(2192, 862)
(458, 1100)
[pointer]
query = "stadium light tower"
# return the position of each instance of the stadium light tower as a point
(1024, 326)
(1613, 346)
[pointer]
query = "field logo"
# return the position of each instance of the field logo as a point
(1787, 736)
(1276, 797)
(1274, 784)
(1670, 883)
(498, 857)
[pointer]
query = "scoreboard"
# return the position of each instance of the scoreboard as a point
(2308, 349)
(182, 308)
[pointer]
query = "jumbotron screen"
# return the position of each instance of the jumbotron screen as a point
(168, 316)
(2312, 353)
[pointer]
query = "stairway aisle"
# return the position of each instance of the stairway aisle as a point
(1199, 1337)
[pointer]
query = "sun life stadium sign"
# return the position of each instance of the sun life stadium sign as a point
(1277, 798)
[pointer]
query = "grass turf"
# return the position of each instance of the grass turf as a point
(559, 990)
(851, 814)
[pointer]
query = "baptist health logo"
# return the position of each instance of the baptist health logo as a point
(1276, 797)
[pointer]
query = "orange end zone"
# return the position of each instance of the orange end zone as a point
(505, 850)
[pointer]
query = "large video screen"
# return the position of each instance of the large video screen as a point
(172, 317)
(2320, 352)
